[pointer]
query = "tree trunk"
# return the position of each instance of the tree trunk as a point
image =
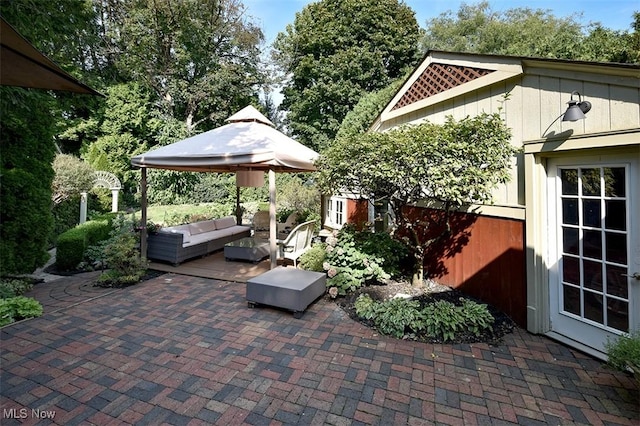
(418, 274)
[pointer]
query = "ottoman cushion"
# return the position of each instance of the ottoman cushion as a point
(288, 288)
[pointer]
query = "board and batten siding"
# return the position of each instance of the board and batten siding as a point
(532, 105)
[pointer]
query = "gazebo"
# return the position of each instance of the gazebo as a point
(248, 145)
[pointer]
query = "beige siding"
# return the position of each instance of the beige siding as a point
(533, 111)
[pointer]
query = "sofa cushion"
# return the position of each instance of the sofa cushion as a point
(201, 238)
(186, 236)
(182, 229)
(202, 227)
(225, 222)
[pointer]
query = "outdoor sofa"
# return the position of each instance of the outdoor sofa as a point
(175, 244)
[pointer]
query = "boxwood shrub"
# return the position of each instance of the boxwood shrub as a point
(71, 245)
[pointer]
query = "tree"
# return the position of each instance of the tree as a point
(62, 30)
(201, 58)
(364, 113)
(72, 176)
(523, 32)
(451, 165)
(26, 139)
(336, 51)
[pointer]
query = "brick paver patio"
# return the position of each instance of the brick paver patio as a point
(186, 351)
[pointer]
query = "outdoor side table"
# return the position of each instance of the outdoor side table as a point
(250, 249)
(288, 288)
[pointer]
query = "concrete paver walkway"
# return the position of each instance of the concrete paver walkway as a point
(186, 351)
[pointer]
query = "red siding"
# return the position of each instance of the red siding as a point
(485, 258)
(357, 212)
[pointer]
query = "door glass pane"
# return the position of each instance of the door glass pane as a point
(592, 274)
(614, 182)
(616, 247)
(571, 298)
(591, 213)
(569, 180)
(616, 215)
(570, 240)
(570, 211)
(593, 307)
(570, 270)
(618, 314)
(617, 282)
(592, 244)
(591, 182)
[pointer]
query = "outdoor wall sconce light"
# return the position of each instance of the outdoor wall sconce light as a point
(577, 109)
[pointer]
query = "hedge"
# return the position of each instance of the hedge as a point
(71, 245)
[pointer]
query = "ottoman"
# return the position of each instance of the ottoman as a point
(288, 288)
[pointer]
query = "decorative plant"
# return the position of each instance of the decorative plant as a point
(393, 317)
(314, 258)
(624, 353)
(11, 287)
(348, 268)
(450, 165)
(122, 257)
(442, 319)
(18, 308)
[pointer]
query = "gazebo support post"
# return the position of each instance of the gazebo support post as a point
(238, 210)
(272, 218)
(143, 215)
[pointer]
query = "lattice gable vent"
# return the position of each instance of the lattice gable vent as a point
(437, 78)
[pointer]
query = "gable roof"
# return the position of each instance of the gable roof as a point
(445, 75)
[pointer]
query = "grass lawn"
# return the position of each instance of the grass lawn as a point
(169, 214)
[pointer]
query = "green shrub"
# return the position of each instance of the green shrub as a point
(392, 253)
(122, 257)
(70, 249)
(18, 308)
(11, 287)
(71, 245)
(624, 353)
(475, 316)
(27, 128)
(348, 268)
(394, 317)
(441, 319)
(313, 259)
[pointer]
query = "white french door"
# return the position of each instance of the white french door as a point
(594, 249)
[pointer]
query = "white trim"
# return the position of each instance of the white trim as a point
(564, 326)
(331, 220)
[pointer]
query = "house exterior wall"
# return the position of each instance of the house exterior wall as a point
(357, 212)
(531, 95)
(485, 258)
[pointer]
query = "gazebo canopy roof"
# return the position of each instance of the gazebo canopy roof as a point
(248, 142)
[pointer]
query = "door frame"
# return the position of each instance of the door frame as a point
(552, 256)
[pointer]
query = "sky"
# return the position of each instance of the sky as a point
(274, 15)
